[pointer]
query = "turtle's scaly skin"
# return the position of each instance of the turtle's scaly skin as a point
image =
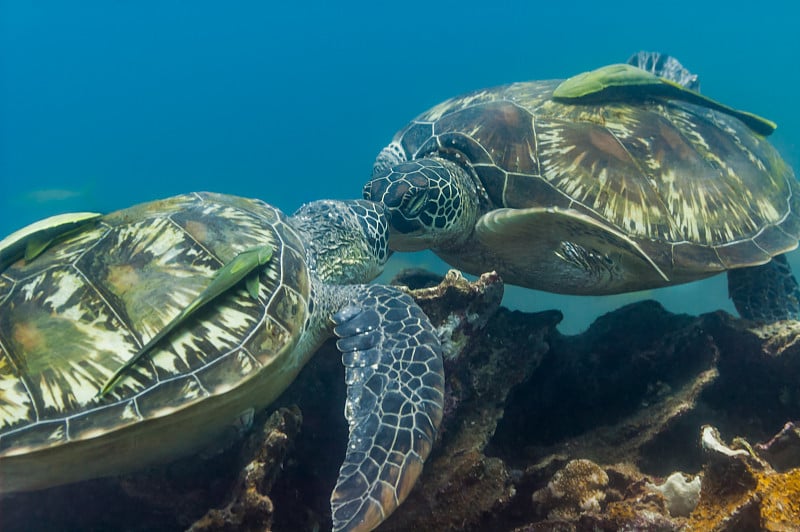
(76, 313)
(625, 195)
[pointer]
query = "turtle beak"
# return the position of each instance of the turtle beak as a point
(375, 190)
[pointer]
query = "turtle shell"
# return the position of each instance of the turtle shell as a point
(72, 316)
(695, 188)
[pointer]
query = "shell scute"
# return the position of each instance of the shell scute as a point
(131, 266)
(97, 421)
(265, 344)
(745, 252)
(167, 397)
(216, 377)
(34, 436)
(499, 133)
(60, 339)
(16, 403)
(464, 145)
(417, 134)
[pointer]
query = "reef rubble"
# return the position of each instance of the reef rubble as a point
(646, 421)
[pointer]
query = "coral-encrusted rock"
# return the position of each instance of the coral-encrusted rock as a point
(681, 493)
(459, 309)
(576, 488)
(249, 507)
(783, 450)
(635, 388)
(522, 401)
(171, 496)
(461, 483)
(625, 502)
(623, 391)
(741, 491)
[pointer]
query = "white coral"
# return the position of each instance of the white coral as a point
(681, 494)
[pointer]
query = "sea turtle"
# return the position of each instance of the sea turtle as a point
(612, 181)
(89, 299)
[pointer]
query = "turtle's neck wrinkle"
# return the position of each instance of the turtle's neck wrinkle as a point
(337, 249)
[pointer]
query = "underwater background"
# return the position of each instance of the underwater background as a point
(107, 104)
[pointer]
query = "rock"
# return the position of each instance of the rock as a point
(459, 309)
(634, 390)
(783, 450)
(616, 393)
(249, 507)
(741, 491)
(576, 488)
(460, 482)
(526, 409)
(172, 496)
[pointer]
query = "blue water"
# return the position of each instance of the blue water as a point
(105, 104)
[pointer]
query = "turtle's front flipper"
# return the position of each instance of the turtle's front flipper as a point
(567, 249)
(395, 394)
(765, 293)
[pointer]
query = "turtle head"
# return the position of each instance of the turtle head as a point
(431, 203)
(347, 241)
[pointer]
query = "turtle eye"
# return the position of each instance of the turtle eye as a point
(414, 201)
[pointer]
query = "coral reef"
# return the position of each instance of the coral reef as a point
(741, 490)
(250, 508)
(622, 427)
(534, 409)
(576, 488)
(680, 492)
(174, 496)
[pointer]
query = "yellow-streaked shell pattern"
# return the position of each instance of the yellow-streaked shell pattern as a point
(694, 187)
(75, 314)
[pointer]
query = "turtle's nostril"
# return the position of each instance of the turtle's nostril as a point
(378, 190)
